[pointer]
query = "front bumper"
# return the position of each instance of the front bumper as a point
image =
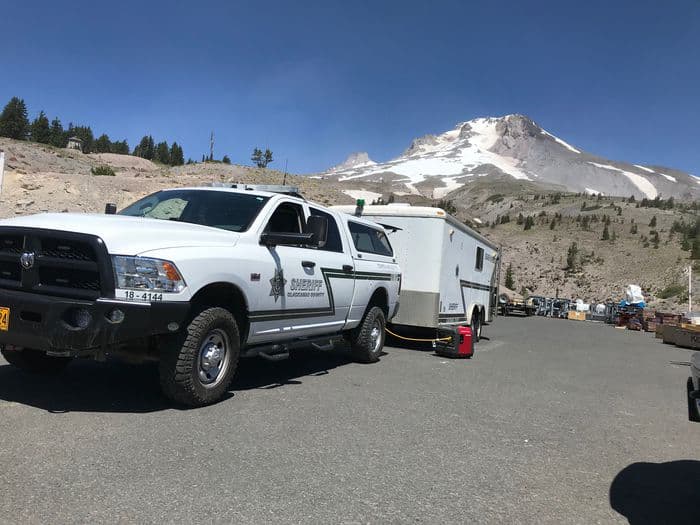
(58, 324)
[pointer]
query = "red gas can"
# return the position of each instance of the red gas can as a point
(465, 341)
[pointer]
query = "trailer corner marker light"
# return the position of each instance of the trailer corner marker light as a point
(360, 203)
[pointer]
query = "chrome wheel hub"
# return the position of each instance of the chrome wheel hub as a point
(375, 336)
(213, 358)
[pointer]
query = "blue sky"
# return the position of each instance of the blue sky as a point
(316, 80)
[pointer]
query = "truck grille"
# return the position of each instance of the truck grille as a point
(56, 263)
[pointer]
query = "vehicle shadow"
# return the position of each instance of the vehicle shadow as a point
(653, 493)
(88, 386)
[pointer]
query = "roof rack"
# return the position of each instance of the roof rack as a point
(272, 188)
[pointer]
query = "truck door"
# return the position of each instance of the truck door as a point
(297, 304)
(336, 266)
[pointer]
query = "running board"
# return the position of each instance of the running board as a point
(280, 351)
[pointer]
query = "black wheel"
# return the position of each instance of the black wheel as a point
(693, 413)
(35, 361)
(476, 326)
(367, 340)
(196, 368)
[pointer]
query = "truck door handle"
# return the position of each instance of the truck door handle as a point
(348, 268)
(308, 264)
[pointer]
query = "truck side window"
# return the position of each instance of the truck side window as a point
(370, 240)
(287, 218)
(479, 258)
(333, 241)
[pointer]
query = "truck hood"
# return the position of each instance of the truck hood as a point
(129, 235)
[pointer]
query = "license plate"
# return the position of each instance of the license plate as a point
(4, 319)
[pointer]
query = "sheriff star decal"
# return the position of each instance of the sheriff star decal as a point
(277, 285)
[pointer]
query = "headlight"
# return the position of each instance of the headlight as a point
(143, 273)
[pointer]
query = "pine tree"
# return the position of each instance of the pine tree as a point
(40, 130)
(103, 144)
(529, 222)
(13, 120)
(606, 234)
(652, 222)
(120, 147)
(226, 159)
(145, 148)
(510, 283)
(267, 157)
(162, 153)
(177, 157)
(633, 229)
(257, 158)
(520, 220)
(57, 137)
(552, 224)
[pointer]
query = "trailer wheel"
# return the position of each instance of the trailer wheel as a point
(367, 340)
(35, 361)
(476, 326)
(196, 369)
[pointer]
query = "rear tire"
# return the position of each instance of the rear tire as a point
(476, 326)
(693, 414)
(367, 340)
(35, 361)
(199, 365)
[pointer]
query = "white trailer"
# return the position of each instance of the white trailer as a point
(449, 272)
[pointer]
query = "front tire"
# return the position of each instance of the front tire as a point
(367, 340)
(35, 361)
(198, 367)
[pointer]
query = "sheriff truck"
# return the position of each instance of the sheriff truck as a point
(194, 278)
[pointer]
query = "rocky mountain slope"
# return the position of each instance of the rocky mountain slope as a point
(512, 146)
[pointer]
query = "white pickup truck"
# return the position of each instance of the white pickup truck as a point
(194, 278)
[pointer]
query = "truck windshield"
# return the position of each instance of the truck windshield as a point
(218, 209)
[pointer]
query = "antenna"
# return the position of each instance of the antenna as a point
(284, 180)
(211, 146)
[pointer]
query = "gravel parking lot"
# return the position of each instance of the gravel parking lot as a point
(551, 422)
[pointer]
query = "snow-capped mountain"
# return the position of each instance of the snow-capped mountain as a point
(511, 146)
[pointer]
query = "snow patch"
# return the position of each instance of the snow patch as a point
(669, 177)
(450, 185)
(646, 187)
(593, 192)
(476, 220)
(559, 141)
(644, 168)
(448, 156)
(368, 196)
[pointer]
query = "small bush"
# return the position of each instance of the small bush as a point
(496, 198)
(103, 171)
(671, 291)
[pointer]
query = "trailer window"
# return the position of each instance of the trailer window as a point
(370, 240)
(479, 258)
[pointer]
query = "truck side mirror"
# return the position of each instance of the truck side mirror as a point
(318, 227)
